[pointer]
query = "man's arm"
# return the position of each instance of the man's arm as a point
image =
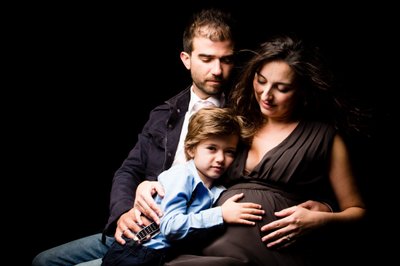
(144, 162)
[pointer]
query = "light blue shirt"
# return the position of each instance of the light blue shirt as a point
(179, 220)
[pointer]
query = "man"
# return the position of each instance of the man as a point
(208, 53)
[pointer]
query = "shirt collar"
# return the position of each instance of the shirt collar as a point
(219, 102)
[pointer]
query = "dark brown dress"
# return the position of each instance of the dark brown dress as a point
(294, 171)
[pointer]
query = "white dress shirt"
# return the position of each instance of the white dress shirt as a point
(193, 107)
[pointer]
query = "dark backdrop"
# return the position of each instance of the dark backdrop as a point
(88, 75)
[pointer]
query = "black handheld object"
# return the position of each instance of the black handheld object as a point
(148, 232)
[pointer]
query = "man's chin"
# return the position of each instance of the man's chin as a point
(214, 90)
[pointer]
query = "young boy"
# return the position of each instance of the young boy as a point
(191, 190)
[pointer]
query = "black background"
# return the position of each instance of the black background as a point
(83, 78)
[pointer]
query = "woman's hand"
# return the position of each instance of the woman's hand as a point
(316, 206)
(294, 222)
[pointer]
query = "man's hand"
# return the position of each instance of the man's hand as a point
(127, 225)
(144, 201)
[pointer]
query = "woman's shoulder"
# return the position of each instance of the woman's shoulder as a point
(318, 130)
(313, 124)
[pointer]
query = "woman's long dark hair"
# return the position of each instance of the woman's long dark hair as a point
(320, 101)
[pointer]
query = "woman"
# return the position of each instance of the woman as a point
(296, 152)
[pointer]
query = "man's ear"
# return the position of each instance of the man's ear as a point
(185, 57)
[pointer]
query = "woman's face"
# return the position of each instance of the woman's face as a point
(275, 90)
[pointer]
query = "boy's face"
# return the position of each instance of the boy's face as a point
(213, 156)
